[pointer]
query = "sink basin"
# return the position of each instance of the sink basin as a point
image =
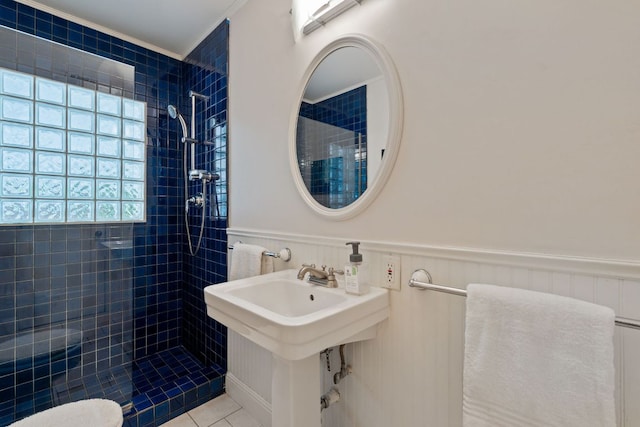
(287, 299)
(293, 318)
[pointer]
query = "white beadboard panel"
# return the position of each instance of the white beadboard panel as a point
(620, 397)
(411, 373)
(539, 281)
(631, 373)
(250, 364)
(584, 287)
(535, 261)
(561, 283)
(608, 293)
(630, 295)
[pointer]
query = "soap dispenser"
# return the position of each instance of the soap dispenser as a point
(355, 274)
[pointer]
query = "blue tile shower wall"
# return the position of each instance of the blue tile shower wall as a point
(205, 72)
(347, 110)
(157, 253)
(154, 270)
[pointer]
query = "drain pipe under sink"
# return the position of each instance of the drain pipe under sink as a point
(329, 398)
(344, 368)
(333, 395)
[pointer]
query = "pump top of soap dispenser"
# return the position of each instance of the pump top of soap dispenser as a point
(355, 257)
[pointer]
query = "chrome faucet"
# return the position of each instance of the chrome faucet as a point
(322, 277)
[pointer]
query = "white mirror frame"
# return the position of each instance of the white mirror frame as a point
(394, 134)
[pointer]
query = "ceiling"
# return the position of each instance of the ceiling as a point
(343, 69)
(171, 27)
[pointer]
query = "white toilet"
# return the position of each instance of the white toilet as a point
(84, 413)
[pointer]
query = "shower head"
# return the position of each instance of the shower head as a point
(173, 113)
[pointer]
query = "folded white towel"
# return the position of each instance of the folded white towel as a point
(248, 261)
(536, 359)
(84, 413)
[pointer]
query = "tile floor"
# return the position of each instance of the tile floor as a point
(219, 412)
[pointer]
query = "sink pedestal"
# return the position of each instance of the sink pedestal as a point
(295, 392)
(295, 321)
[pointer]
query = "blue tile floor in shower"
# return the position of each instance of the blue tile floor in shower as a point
(163, 386)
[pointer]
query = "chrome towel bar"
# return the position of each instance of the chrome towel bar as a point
(421, 280)
(283, 254)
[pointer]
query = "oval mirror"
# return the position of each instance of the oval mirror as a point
(346, 130)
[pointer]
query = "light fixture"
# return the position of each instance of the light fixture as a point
(325, 12)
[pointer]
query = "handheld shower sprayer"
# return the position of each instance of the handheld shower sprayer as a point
(175, 114)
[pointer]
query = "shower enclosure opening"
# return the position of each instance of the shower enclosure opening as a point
(200, 198)
(106, 306)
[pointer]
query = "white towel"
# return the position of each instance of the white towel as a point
(536, 359)
(84, 413)
(248, 261)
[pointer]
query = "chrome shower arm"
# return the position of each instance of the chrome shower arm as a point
(204, 175)
(194, 94)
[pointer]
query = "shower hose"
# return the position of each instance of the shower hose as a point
(193, 251)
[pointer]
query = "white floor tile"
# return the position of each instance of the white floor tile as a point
(213, 411)
(183, 420)
(222, 423)
(242, 418)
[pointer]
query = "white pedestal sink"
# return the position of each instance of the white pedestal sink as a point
(295, 320)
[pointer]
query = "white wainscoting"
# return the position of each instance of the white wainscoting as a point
(411, 374)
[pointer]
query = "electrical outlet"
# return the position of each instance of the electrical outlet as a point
(391, 267)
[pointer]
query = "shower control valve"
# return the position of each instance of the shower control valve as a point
(196, 201)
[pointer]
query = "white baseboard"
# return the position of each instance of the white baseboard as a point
(251, 401)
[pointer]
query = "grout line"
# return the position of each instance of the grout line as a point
(237, 410)
(194, 421)
(225, 418)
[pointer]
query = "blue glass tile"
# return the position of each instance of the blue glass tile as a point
(104, 48)
(26, 19)
(90, 32)
(75, 37)
(8, 14)
(185, 384)
(158, 398)
(191, 399)
(145, 418)
(173, 392)
(162, 410)
(199, 379)
(141, 402)
(176, 405)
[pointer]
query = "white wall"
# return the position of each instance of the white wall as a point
(522, 122)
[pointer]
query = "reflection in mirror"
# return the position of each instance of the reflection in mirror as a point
(342, 127)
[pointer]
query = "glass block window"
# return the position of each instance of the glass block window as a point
(69, 154)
